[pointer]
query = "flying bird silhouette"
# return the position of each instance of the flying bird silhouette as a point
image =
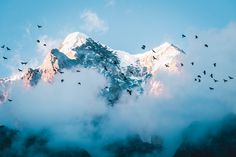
(154, 57)
(2, 46)
(195, 79)
(206, 45)
(167, 65)
(181, 64)
(225, 80)
(129, 91)
(4, 58)
(211, 88)
(230, 77)
(215, 80)
(214, 64)
(61, 72)
(77, 71)
(79, 83)
(19, 70)
(199, 76)
(153, 51)
(44, 44)
(196, 37)
(143, 47)
(199, 80)
(192, 63)
(10, 100)
(204, 72)
(62, 80)
(183, 36)
(211, 75)
(38, 41)
(24, 63)
(8, 49)
(39, 26)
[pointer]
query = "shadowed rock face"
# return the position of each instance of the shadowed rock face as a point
(133, 146)
(216, 142)
(15, 144)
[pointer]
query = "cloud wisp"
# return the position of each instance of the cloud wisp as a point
(92, 22)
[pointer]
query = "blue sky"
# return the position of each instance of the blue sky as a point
(124, 24)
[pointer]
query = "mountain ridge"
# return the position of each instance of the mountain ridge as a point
(123, 71)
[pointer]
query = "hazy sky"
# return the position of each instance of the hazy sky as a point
(120, 24)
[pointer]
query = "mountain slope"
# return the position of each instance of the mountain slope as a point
(122, 70)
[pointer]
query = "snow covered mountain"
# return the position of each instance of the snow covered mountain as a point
(123, 71)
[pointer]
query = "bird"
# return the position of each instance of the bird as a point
(195, 79)
(214, 64)
(204, 72)
(44, 44)
(215, 80)
(143, 47)
(196, 36)
(10, 100)
(131, 72)
(211, 75)
(129, 91)
(199, 76)
(61, 72)
(38, 41)
(154, 57)
(153, 51)
(225, 80)
(24, 63)
(39, 26)
(19, 70)
(199, 80)
(62, 80)
(79, 83)
(167, 65)
(2, 46)
(211, 88)
(183, 36)
(4, 58)
(181, 64)
(206, 45)
(8, 49)
(77, 71)
(230, 77)
(192, 63)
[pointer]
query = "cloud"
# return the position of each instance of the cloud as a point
(50, 44)
(78, 115)
(93, 23)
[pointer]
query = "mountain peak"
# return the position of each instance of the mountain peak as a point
(123, 71)
(72, 41)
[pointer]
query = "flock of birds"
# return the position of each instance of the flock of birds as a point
(198, 78)
(129, 91)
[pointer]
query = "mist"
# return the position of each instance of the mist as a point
(78, 115)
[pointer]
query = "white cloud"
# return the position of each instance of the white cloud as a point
(50, 44)
(93, 23)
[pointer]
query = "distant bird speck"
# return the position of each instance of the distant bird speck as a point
(143, 47)
(39, 26)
